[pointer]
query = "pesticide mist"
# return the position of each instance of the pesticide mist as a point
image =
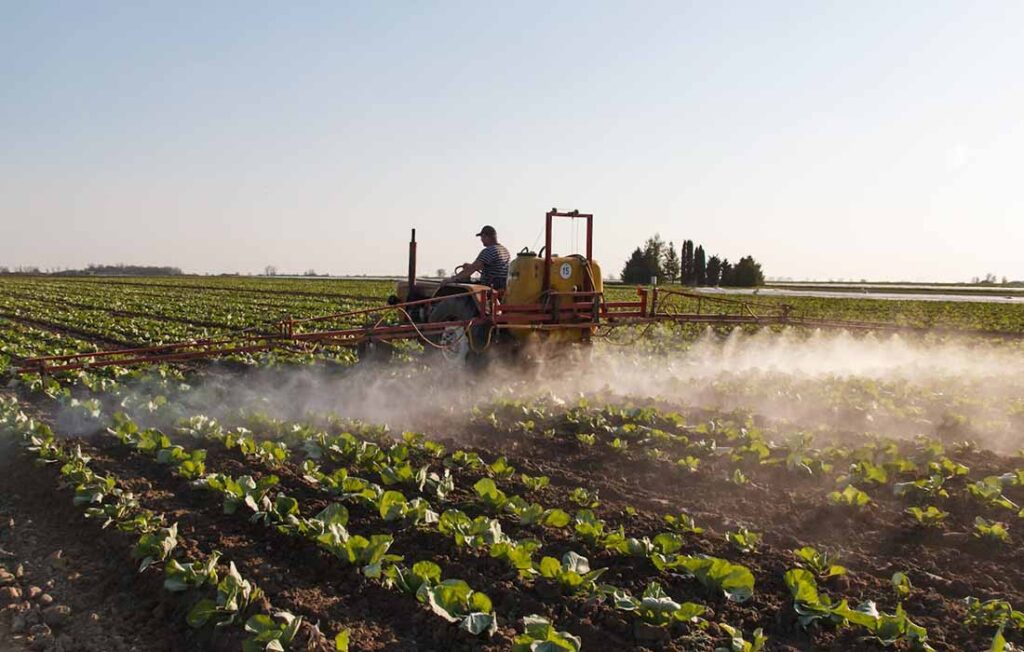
(890, 385)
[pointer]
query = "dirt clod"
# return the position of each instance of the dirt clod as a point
(57, 615)
(9, 594)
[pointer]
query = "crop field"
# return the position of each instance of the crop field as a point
(674, 489)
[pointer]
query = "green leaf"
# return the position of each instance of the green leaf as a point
(549, 567)
(201, 613)
(802, 585)
(478, 622)
(555, 518)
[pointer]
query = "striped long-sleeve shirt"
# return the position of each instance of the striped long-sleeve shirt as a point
(495, 266)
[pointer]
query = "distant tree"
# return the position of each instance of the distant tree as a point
(700, 268)
(270, 270)
(645, 262)
(714, 271)
(4, 270)
(309, 272)
(748, 273)
(670, 263)
(686, 263)
(654, 251)
(441, 272)
(635, 270)
(727, 274)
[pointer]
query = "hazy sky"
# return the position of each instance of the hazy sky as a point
(880, 140)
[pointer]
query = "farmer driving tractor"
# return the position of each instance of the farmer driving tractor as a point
(492, 262)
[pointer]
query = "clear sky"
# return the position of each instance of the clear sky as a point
(879, 140)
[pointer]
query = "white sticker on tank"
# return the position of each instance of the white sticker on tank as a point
(566, 271)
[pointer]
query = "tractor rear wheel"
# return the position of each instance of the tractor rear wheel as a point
(459, 344)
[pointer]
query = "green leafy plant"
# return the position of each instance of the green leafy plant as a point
(235, 597)
(153, 547)
(456, 602)
(851, 496)
(867, 472)
(995, 613)
(423, 574)
(665, 543)
(584, 498)
(534, 483)
(589, 527)
(573, 574)
(180, 577)
(587, 439)
(656, 608)
(743, 540)
(540, 635)
(901, 585)
(124, 507)
(479, 532)
(822, 564)
(517, 554)
(271, 634)
(930, 516)
(500, 468)
(948, 468)
(532, 513)
(683, 522)
(734, 581)
(489, 494)
(808, 603)
(930, 487)
(739, 644)
(368, 554)
(243, 491)
(462, 459)
(737, 477)
(688, 463)
(887, 629)
(190, 465)
(987, 530)
(989, 491)
(393, 506)
(403, 472)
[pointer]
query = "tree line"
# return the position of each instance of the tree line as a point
(98, 270)
(689, 266)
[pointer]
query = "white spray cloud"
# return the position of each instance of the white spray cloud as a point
(891, 384)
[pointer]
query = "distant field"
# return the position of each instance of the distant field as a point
(912, 288)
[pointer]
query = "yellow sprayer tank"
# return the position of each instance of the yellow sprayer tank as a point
(568, 274)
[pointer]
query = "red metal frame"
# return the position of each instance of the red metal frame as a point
(575, 215)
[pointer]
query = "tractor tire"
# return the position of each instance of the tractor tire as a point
(455, 341)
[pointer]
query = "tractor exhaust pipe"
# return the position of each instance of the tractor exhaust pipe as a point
(412, 265)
